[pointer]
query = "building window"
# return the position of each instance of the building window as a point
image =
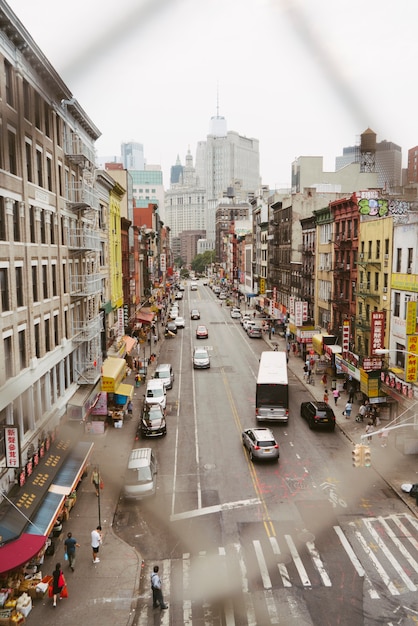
(56, 331)
(54, 280)
(4, 289)
(28, 153)
(8, 356)
(47, 119)
(398, 259)
(22, 349)
(11, 140)
(39, 167)
(35, 286)
(47, 335)
(60, 179)
(369, 253)
(397, 304)
(43, 227)
(26, 100)
(8, 78)
(37, 342)
(32, 224)
(45, 281)
(19, 286)
(38, 111)
(49, 172)
(2, 219)
(409, 260)
(16, 222)
(52, 228)
(64, 278)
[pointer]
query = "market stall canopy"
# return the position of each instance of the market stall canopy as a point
(19, 552)
(124, 391)
(113, 372)
(130, 343)
(145, 315)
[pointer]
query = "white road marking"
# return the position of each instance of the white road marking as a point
(318, 563)
(282, 567)
(262, 564)
(187, 603)
(249, 607)
(389, 584)
(165, 579)
(298, 561)
(228, 604)
(412, 562)
(405, 531)
(388, 554)
(216, 508)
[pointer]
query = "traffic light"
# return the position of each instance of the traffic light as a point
(357, 455)
(367, 456)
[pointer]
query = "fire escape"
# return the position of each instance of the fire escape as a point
(84, 248)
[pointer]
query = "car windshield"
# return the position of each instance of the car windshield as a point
(201, 355)
(153, 415)
(154, 393)
(164, 374)
(139, 475)
(321, 414)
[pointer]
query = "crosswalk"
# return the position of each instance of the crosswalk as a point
(244, 584)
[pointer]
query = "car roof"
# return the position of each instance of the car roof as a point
(139, 457)
(155, 382)
(262, 433)
(163, 366)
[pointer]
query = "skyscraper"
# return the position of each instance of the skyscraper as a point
(133, 156)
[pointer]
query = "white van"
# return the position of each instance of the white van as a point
(164, 372)
(140, 477)
(193, 287)
(156, 393)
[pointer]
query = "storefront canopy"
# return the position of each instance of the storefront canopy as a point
(126, 391)
(113, 372)
(130, 343)
(145, 316)
(16, 553)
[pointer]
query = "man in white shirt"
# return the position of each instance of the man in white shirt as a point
(96, 540)
(157, 594)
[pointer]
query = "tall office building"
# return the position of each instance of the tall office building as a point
(185, 201)
(133, 156)
(226, 161)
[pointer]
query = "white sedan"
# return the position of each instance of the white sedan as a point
(235, 314)
(179, 322)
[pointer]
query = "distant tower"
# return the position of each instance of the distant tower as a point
(176, 171)
(133, 156)
(368, 151)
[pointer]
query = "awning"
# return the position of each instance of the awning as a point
(130, 343)
(145, 315)
(332, 350)
(83, 400)
(113, 372)
(19, 552)
(317, 343)
(126, 391)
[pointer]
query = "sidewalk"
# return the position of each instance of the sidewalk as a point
(105, 593)
(394, 467)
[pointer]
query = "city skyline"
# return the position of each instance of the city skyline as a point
(295, 75)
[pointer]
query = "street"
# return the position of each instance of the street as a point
(307, 540)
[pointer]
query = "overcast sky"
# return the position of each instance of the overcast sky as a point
(304, 77)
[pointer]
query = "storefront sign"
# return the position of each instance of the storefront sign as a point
(377, 332)
(346, 336)
(11, 440)
(411, 317)
(346, 367)
(411, 359)
(372, 365)
(403, 388)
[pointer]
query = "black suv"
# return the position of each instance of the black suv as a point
(318, 414)
(152, 422)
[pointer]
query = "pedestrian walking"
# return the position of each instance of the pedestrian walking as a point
(384, 437)
(336, 395)
(70, 545)
(362, 412)
(351, 394)
(95, 479)
(369, 430)
(96, 542)
(347, 410)
(130, 407)
(157, 592)
(324, 379)
(326, 398)
(58, 583)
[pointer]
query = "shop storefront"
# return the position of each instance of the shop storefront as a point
(114, 396)
(45, 497)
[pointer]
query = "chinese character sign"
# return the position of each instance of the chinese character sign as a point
(346, 336)
(11, 440)
(377, 334)
(411, 359)
(411, 317)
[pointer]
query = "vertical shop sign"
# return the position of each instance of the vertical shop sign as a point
(411, 317)
(346, 336)
(411, 359)
(377, 333)
(11, 439)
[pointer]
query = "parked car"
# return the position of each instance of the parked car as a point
(248, 322)
(156, 393)
(222, 295)
(254, 331)
(201, 358)
(171, 327)
(181, 287)
(235, 314)
(179, 295)
(205, 281)
(179, 322)
(140, 476)
(261, 444)
(318, 414)
(244, 318)
(152, 423)
(195, 314)
(202, 332)
(173, 313)
(164, 372)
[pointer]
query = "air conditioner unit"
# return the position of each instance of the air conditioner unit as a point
(348, 267)
(409, 270)
(385, 289)
(361, 256)
(386, 263)
(386, 257)
(321, 267)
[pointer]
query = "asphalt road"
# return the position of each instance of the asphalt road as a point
(293, 542)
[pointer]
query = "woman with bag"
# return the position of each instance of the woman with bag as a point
(58, 583)
(95, 479)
